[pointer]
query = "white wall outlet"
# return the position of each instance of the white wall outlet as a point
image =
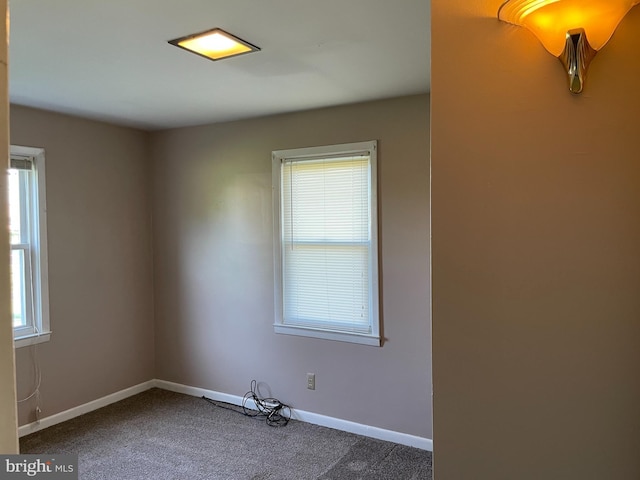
(311, 381)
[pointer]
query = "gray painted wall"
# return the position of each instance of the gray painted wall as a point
(100, 262)
(536, 254)
(213, 264)
(214, 268)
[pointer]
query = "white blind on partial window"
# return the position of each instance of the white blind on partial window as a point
(21, 163)
(326, 242)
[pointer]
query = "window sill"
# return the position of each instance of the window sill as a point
(31, 339)
(360, 338)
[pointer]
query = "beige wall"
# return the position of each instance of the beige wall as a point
(536, 254)
(214, 267)
(100, 262)
(8, 426)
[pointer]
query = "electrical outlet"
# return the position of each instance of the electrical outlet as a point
(311, 381)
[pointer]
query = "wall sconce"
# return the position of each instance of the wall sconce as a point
(572, 30)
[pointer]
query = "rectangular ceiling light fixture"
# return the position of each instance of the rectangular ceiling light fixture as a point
(214, 44)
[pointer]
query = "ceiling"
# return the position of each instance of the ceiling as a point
(110, 60)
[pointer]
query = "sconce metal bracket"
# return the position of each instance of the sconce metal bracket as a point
(576, 57)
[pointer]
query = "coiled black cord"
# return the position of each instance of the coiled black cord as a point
(276, 413)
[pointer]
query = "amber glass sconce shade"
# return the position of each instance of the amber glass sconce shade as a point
(572, 30)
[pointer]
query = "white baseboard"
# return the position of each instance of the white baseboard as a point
(304, 416)
(364, 430)
(310, 417)
(85, 408)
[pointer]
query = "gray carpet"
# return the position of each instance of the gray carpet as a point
(164, 435)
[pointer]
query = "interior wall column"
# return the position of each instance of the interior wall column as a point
(8, 413)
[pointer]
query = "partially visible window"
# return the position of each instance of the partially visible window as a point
(27, 225)
(325, 242)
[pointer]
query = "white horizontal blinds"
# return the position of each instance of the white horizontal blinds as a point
(326, 238)
(20, 185)
(21, 163)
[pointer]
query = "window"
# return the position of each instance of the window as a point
(325, 242)
(27, 225)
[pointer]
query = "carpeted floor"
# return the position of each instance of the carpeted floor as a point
(162, 435)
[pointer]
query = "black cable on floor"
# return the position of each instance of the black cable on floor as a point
(276, 413)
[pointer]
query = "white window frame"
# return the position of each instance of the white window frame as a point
(33, 205)
(289, 326)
